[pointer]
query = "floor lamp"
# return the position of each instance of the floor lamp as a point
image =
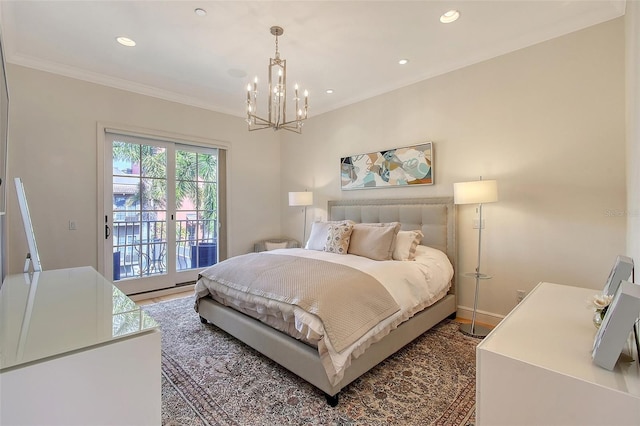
(302, 199)
(477, 192)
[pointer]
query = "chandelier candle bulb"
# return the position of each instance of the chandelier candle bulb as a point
(306, 103)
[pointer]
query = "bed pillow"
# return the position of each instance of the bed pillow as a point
(338, 237)
(406, 244)
(270, 245)
(318, 235)
(374, 240)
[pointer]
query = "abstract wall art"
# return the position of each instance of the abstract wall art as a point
(408, 166)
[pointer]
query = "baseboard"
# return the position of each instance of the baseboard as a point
(159, 293)
(484, 317)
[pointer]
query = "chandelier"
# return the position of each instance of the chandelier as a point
(277, 116)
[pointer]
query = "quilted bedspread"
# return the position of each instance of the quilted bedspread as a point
(349, 302)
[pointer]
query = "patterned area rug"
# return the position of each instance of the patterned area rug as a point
(210, 378)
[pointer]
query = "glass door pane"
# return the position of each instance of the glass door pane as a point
(196, 208)
(139, 210)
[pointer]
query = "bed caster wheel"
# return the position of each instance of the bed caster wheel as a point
(203, 320)
(332, 400)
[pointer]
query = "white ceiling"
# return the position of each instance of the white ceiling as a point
(352, 47)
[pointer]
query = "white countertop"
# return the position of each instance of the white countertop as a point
(51, 313)
(529, 336)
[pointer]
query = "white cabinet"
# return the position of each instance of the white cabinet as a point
(74, 350)
(535, 367)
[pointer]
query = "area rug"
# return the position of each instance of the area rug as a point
(210, 378)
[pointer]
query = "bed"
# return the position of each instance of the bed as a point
(434, 217)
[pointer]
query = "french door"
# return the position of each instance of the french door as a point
(161, 220)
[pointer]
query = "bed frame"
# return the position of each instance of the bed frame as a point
(434, 216)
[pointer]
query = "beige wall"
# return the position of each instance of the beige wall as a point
(53, 126)
(547, 122)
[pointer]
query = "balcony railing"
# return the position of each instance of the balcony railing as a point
(140, 247)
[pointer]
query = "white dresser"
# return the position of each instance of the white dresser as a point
(535, 367)
(74, 350)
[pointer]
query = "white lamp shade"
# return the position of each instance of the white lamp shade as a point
(301, 198)
(477, 192)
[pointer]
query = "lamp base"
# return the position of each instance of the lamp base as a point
(478, 330)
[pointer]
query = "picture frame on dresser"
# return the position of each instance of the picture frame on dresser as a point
(622, 270)
(619, 321)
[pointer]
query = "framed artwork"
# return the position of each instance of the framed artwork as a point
(408, 166)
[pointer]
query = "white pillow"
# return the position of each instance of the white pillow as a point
(270, 245)
(318, 235)
(406, 244)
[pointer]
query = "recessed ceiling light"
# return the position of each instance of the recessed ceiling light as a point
(200, 11)
(450, 16)
(403, 61)
(329, 91)
(125, 41)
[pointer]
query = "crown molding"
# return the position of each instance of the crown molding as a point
(117, 83)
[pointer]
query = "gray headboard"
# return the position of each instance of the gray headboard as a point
(435, 217)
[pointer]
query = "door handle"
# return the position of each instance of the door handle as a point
(107, 230)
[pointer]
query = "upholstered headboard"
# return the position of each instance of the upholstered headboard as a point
(435, 217)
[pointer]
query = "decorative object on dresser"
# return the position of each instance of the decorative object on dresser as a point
(32, 261)
(476, 192)
(277, 97)
(304, 199)
(412, 165)
(622, 270)
(616, 325)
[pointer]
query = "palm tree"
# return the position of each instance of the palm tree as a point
(196, 179)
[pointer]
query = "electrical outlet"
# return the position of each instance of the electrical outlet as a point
(476, 223)
(520, 294)
(72, 225)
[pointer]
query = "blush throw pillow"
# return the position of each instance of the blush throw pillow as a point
(338, 237)
(406, 244)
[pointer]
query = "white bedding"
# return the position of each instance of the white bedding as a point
(414, 285)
